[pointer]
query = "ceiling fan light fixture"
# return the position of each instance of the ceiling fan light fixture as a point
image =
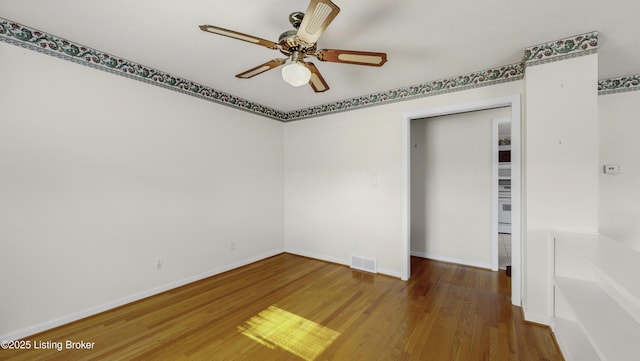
(296, 74)
(299, 44)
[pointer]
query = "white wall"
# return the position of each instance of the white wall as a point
(561, 166)
(329, 160)
(330, 201)
(101, 174)
(451, 187)
(619, 212)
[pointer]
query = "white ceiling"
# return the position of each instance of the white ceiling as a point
(424, 40)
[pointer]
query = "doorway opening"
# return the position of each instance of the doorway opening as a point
(455, 187)
(513, 103)
(501, 165)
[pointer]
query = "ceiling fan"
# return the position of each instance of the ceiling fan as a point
(299, 44)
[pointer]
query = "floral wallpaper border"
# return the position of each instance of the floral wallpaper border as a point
(619, 85)
(32, 39)
(472, 80)
(42, 42)
(573, 46)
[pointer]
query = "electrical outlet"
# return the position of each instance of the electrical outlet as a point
(159, 264)
(355, 244)
(232, 246)
(612, 169)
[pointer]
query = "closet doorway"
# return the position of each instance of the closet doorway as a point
(513, 104)
(454, 188)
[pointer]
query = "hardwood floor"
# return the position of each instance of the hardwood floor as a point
(294, 308)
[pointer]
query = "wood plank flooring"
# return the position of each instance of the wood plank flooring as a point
(296, 308)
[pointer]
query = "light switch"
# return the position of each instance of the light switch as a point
(374, 180)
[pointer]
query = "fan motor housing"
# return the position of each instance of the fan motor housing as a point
(289, 42)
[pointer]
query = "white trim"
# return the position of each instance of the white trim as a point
(406, 199)
(494, 193)
(516, 180)
(31, 330)
(536, 318)
(551, 241)
(341, 261)
(516, 201)
(463, 262)
(320, 257)
(391, 273)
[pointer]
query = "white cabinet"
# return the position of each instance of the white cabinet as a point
(596, 298)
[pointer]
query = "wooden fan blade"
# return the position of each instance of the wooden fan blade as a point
(261, 68)
(317, 81)
(239, 36)
(352, 57)
(319, 15)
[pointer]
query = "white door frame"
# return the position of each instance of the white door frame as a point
(516, 180)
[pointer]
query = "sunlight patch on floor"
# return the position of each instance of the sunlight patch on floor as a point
(275, 327)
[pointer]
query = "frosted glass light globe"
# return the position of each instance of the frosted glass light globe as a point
(296, 74)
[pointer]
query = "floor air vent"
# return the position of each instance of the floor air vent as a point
(364, 264)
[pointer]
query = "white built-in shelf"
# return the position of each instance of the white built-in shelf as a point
(617, 266)
(575, 341)
(598, 280)
(614, 335)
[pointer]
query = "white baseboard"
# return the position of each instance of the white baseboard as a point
(451, 260)
(342, 261)
(391, 273)
(321, 257)
(19, 334)
(536, 318)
